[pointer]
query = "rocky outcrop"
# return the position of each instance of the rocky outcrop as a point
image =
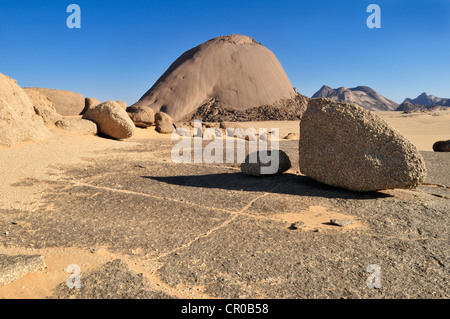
(18, 121)
(283, 110)
(347, 146)
(43, 107)
(66, 103)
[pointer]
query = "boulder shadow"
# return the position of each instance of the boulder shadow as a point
(288, 184)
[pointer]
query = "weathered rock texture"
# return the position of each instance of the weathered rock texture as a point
(39, 99)
(89, 103)
(18, 121)
(228, 74)
(66, 103)
(111, 119)
(13, 268)
(347, 146)
(122, 104)
(43, 106)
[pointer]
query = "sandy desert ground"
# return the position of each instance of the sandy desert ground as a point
(119, 209)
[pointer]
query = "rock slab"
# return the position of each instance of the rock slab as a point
(346, 146)
(13, 268)
(79, 126)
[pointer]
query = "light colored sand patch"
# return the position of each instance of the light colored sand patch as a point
(148, 132)
(284, 127)
(318, 217)
(40, 285)
(422, 129)
(32, 161)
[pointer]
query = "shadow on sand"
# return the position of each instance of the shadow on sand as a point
(289, 184)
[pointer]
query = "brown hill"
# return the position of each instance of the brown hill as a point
(232, 73)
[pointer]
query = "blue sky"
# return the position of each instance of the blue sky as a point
(123, 47)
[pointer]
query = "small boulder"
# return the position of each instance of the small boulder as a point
(89, 103)
(347, 146)
(255, 162)
(164, 123)
(249, 134)
(142, 116)
(122, 104)
(111, 120)
(269, 136)
(183, 131)
(79, 126)
(441, 146)
(49, 116)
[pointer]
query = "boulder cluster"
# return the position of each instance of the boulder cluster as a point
(340, 144)
(27, 114)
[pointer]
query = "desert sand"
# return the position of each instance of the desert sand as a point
(422, 129)
(122, 208)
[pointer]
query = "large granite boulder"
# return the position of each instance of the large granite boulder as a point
(111, 119)
(347, 146)
(164, 123)
(142, 116)
(18, 121)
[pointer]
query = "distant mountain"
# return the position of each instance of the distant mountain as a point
(408, 107)
(361, 95)
(427, 100)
